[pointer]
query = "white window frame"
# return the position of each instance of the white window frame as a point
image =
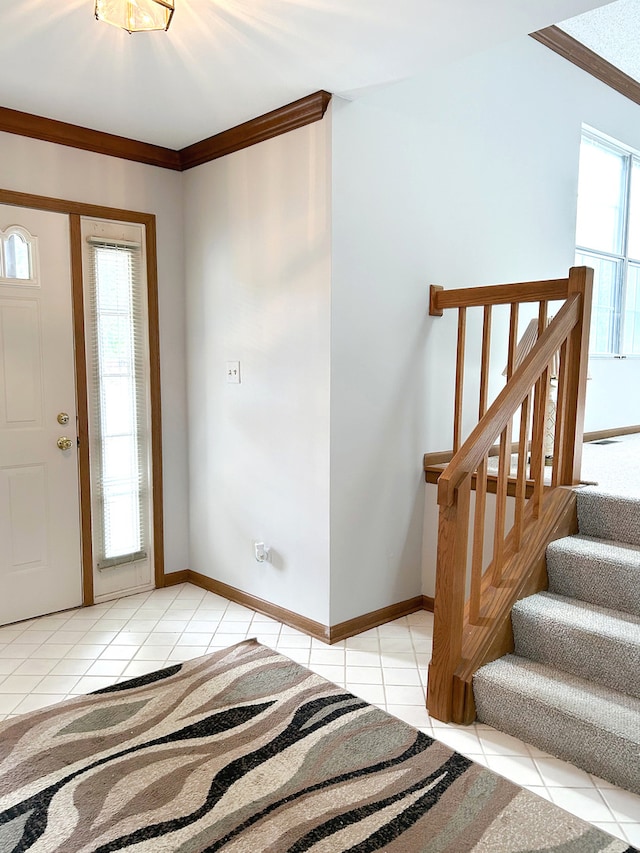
(622, 259)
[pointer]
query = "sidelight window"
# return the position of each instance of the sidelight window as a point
(118, 408)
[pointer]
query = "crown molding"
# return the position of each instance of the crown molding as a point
(579, 54)
(298, 114)
(75, 136)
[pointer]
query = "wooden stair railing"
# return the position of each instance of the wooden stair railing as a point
(470, 631)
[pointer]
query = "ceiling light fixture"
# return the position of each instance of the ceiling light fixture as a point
(136, 16)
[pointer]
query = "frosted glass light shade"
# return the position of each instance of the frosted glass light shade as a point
(136, 16)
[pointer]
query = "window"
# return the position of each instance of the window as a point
(16, 255)
(119, 409)
(608, 239)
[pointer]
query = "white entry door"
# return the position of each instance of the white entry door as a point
(40, 546)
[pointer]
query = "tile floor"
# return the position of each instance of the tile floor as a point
(51, 658)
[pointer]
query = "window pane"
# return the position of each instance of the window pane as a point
(116, 345)
(634, 212)
(17, 257)
(122, 530)
(114, 271)
(631, 344)
(121, 459)
(601, 191)
(605, 313)
(120, 414)
(118, 407)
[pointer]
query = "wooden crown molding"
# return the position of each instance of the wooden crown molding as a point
(74, 136)
(298, 114)
(586, 59)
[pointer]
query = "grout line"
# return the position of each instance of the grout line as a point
(167, 606)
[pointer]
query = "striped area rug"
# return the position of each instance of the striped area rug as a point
(246, 751)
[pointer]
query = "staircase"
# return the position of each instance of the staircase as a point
(572, 685)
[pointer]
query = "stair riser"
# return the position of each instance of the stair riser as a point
(595, 657)
(608, 517)
(565, 736)
(606, 584)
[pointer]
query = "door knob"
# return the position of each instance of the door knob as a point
(64, 443)
(63, 418)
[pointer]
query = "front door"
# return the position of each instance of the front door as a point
(40, 545)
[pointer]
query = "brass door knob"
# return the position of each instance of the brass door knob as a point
(64, 443)
(63, 418)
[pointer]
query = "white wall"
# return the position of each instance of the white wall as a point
(379, 330)
(466, 177)
(258, 276)
(308, 258)
(42, 168)
(613, 399)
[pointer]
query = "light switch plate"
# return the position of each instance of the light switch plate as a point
(233, 372)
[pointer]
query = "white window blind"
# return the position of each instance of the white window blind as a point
(118, 408)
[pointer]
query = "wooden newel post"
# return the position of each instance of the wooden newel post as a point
(580, 281)
(448, 623)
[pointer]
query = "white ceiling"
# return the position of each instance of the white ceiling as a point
(225, 61)
(613, 32)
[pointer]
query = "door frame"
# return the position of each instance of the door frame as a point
(75, 211)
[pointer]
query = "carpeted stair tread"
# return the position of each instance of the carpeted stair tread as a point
(572, 687)
(589, 641)
(587, 724)
(607, 516)
(596, 570)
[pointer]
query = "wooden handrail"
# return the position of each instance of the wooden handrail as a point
(470, 632)
(496, 294)
(482, 438)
